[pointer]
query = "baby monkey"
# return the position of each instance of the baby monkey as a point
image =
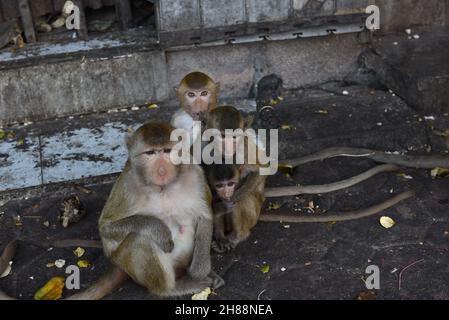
(232, 220)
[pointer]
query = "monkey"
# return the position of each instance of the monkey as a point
(151, 229)
(197, 94)
(232, 220)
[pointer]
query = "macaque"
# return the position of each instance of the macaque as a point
(157, 223)
(197, 94)
(156, 226)
(232, 220)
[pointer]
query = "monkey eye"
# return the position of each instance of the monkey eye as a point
(204, 93)
(150, 152)
(231, 184)
(219, 185)
(191, 94)
(167, 150)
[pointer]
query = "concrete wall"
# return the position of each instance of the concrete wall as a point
(396, 15)
(47, 90)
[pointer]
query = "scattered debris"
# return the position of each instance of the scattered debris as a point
(153, 106)
(386, 222)
(308, 263)
(79, 252)
(260, 294)
(72, 211)
(203, 295)
(408, 31)
(83, 264)
(345, 93)
(273, 206)
(283, 269)
(265, 268)
(7, 271)
(52, 290)
(405, 176)
(82, 189)
(438, 173)
(367, 295)
(287, 127)
(60, 263)
(46, 223)
(416, 36)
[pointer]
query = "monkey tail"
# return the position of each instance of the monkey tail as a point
(331, 187)
(113, 278)
(344, 216)
(423, 161)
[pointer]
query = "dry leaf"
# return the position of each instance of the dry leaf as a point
(439, 173)
(153, 106)
(60, 263)
(367, 295)
(83, 264)
(203, 295)
(79, 252)
(52, 289)
(265, 268)
(287, 127)
(387, 222)
(273, 206)
(7, 270)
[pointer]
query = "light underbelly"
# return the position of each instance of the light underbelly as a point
(183, 238)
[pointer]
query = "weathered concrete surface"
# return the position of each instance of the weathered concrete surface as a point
(106, 80)
(400, 14)
(415, 69)
(321, 261)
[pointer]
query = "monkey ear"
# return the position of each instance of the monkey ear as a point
(176, 89)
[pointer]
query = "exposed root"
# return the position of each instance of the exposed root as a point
(424, 161)
(331, 187)
(344, 216)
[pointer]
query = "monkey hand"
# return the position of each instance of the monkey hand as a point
(163, 237)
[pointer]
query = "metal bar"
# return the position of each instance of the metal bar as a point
(27, 21)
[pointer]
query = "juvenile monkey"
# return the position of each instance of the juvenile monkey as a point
(232, 220)
(197, 94)
(156, 226)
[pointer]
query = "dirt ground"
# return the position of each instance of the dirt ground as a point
(306, 261)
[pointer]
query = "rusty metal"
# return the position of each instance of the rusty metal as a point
(9, 8)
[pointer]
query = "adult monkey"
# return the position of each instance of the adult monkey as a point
(197, 94)
(151, 229)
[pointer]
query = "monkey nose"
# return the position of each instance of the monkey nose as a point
(162, 171)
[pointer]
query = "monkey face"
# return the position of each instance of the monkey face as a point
(225, 189)
(155, 167)
(198, 102)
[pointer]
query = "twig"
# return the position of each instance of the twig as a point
(405, 268)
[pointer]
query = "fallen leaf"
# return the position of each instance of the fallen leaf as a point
(83, 264)
(287, 127)
(79, 252)
(153, 106)
(20, 142)
(52, 290)
(273, 206)
(265, 268)
(386, 222)
(7, 270)
(60, 263)
(50, 265)
(203, 295)
(439, 173)
(367, 295)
